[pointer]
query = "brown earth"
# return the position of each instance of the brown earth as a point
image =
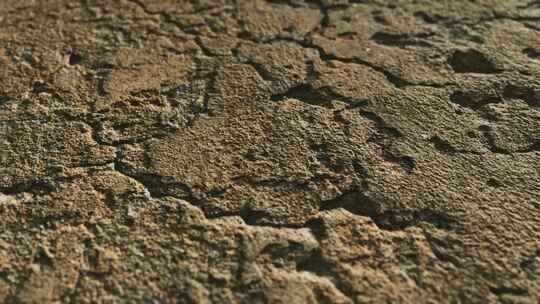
(249, 151)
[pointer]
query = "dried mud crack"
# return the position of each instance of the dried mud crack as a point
(278, 151)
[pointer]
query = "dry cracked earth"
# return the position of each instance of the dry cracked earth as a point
(250, 151)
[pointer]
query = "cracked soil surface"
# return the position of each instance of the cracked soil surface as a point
(250, 151)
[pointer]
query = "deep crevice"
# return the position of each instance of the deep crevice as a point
(472, 61)
(316, 263)
(528, 94)
(446, 147)
(532, 53)
(473, 100)
(321, 96)
(506, 290)
(357, 202)
(33, 187)
(4, 99)
(75, 58)
(401, 40)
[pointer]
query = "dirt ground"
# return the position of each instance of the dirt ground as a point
(250, 151)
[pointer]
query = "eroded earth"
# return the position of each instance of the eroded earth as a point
(250, 151)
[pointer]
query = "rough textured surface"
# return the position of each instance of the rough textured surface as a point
(249, 151)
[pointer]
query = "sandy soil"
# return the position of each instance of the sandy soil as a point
(249, 151)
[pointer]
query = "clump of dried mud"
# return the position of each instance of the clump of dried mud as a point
(330, 151)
